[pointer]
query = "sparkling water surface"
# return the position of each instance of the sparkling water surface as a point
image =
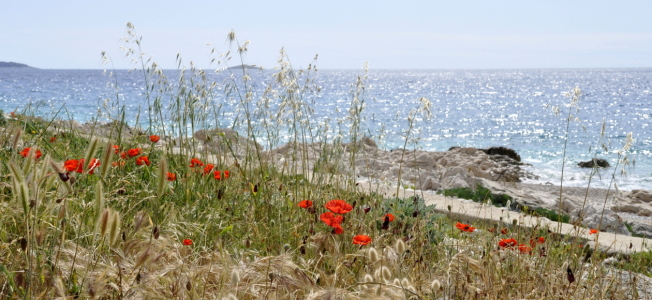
(476, 108)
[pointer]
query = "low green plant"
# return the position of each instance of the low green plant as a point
(480, 194)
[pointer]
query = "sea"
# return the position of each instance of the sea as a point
(526, 110)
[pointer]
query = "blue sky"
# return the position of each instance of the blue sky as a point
(388, 34)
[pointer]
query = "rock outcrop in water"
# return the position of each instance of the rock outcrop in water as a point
(594, 163)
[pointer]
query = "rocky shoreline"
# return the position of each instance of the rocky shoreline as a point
(498, 169)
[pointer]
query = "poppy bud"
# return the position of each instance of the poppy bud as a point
(155, 232)
(23, 244)
(367, 209)
(64, 177)
(571, 277)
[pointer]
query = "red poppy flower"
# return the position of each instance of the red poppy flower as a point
(208, 168)
(361, 239)
(142, 160)
(94, 163)
(507, 243)
(504, 231)
(123, 155)
(305, 204)
(331, 219)
(195, 162)
(74, 165)
(524, 249)
(389, 217)
(593, 231)
(26, 151)
(540, 240)
(154, 138)
(219, 175)
(53, 139)
(116, 148)
(337, 229)
(338, 206)
(465, 227)
(187, 242)
(172, 176)
(134, 152)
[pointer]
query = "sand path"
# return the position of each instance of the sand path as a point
(469, 211)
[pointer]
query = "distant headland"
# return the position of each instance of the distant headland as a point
(245, 67)
(4, 64)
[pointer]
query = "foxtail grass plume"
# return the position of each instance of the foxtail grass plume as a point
(162, 177)
(107, 158)
(90, 151)
(235, 276)
(400, 246)
(103, 221)
(114, 231)
(435, 286)
(99, 198)
(373, 255)
(386, 273)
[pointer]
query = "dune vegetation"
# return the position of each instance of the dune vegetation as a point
(148, 211)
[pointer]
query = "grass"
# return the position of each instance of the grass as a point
(127, 230)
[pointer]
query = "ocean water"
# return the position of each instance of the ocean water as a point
(475, 108)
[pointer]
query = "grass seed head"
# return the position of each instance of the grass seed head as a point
(373, 255)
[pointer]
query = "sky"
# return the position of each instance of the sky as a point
(464, 34)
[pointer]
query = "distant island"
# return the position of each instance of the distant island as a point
(4, 64)
(246, 67)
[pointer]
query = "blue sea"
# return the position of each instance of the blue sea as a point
(475, 108)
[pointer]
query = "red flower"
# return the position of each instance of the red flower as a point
(123, 155)
(134, 152)
(187, 242)
(305, 204)
(53, 139)
(465, 227)
(331, 219)
(74, 165)
(389, 217)
(172, 176)
(195, 162)
(94, 163)
(507, 243)
(361, 239)
(593, 231)
(208, 168)
(504, 231)
(142, 160)
(337, 229)
(524, 249)
(154, 138)
(218, 175)
(26, 151)
(116, 148)
(534, 242)
(338, 206)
